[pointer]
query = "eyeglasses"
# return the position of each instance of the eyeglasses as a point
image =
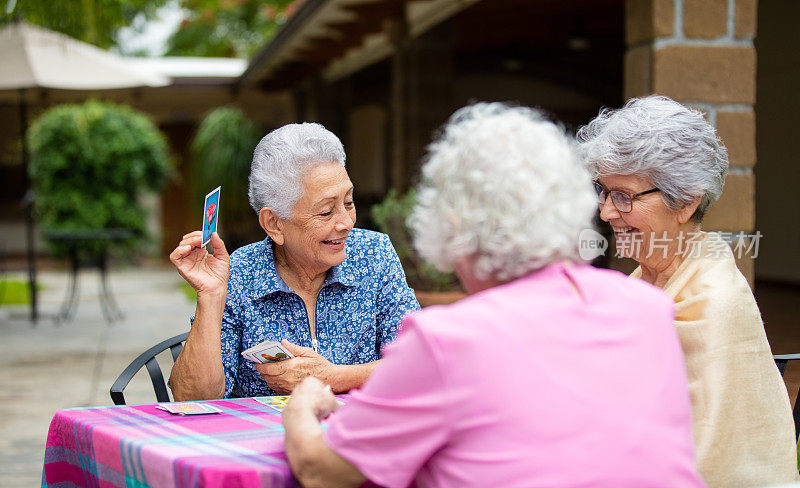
(622, 201)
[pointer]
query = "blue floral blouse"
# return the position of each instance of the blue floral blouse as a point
(358, 309)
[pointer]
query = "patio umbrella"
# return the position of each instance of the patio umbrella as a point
(34, 57)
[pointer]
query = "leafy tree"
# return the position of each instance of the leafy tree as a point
(227, 28)
(222, 151)
(90, 164)
(92, 21)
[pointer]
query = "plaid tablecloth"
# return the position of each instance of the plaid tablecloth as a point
(142, 446)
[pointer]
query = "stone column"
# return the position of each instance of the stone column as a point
(701, 53)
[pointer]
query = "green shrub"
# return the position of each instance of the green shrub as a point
(189, 292)
(90, 164)
(390, 216)
(222, 151)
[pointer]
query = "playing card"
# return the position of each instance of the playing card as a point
(188, 408)
(277, 403)
(247, 356)
(210, 214)
(270, 354)
(267, 352)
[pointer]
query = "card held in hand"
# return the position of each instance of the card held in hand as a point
(267, 352)
(210, 214)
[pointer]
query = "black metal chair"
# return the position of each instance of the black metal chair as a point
(148, 359)
(781, 360)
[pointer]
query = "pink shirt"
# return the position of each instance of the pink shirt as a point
(529, 384)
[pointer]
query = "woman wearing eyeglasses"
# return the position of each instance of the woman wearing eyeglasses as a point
(658, 167)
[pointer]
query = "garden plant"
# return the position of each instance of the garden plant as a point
(90, 165)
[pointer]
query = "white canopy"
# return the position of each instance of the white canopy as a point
(33, 57)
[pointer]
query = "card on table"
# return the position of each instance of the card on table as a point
(267, 352)
(188, 408)
(210, 214)
(278, 403)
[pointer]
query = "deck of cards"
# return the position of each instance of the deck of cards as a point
(267, 352)
(210, 213)
(188, 408)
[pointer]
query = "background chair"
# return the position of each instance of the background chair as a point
(781, 360)
(148, 359)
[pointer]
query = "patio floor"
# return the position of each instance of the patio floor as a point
(47, 368)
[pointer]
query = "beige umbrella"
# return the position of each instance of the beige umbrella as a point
(33, 57)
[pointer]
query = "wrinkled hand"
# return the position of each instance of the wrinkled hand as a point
(207, 273)
(312, 394)
(284, 376)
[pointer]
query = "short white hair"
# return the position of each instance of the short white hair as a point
(504, 186)
(281, 159)
(659, 139)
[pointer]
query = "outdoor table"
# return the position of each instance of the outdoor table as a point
(144, 446)
(74, 240)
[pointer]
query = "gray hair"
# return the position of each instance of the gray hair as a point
(282, 158)
(659, 139)
(504, 185)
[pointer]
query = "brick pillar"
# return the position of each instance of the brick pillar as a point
(701, 53)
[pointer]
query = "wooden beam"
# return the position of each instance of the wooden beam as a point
(321, 51)
(383, 9)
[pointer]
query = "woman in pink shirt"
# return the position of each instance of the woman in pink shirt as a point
(551, 374)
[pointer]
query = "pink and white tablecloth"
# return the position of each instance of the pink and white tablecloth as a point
(143, 446)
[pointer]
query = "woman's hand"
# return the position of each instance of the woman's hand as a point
(284, 376)
(312, 394)
(207, 273)
(198, 373)
(312, 461)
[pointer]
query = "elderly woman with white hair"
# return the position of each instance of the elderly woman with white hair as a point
(658, 166)
(544, 375)
(333, 294)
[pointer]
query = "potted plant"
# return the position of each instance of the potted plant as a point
(431, 285)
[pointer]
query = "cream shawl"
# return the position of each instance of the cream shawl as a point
(742, 421)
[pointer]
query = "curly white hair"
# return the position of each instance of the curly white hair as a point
(658, 138)
(504, 186)
(281, 159)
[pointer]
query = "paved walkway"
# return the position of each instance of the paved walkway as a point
(47, 368)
